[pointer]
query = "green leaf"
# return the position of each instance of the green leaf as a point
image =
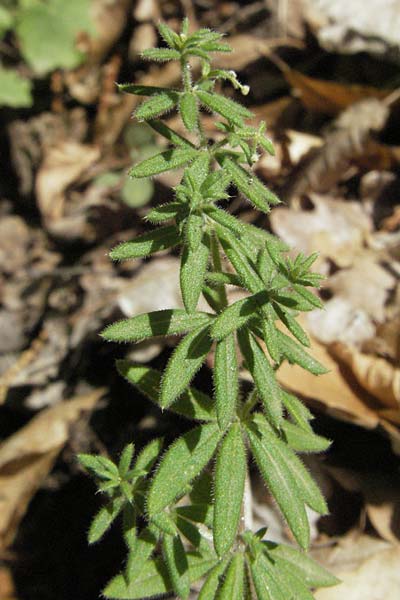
(165, 523)
(99, 466)
(182, 462)
(302, 565)
(230, 110)
(148, 456)
(165, 161)
(226, 380)
(230, 473)
(193, 269)
(213, 581)
(270, 335)
(143, 90)
(215, 184)
(250, 186)
(184, 363)
(308, 296)
(194, 231)
(264, 376)
(192, 404)
(160, 54)
(152, 580)
(307, 489)
(297, 410)
(126, 459)
(6, 20)
(294, 353)
(104, 518)
(236, 315)
(177, 564)
(303, 440)
(290, 322)
(188, 110)
(148, 243)
(198, 513)
(169, 36)
(267, 587)
(170, 134)
(233, 586)
(156, 106)
(192, 533)
(143, 548)
(47, 33)
(15, 91)
(158, 323)
(280, 482)
(201, 492)
(129, 526)
(165, 212)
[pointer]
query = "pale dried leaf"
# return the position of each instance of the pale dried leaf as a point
(27, 457)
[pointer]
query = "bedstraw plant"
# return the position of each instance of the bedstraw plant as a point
(186, 511)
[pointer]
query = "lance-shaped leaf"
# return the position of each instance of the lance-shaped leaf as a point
(169, 36)
(160, 54)
(230, 473)
(301, 565)
(104, 518)
(157, 323)
(126, 459)
(226, 380)
(182, 462)
(264, 376)
(129, 526)
(184, 363)
(192, 534)
(308, 296)
(213, 581)
(295, 354)
(297, 410)
(147, 457)
(166, 212)
(281, 483)
(237, 254)
(198, 513)
(154, 579)
(233, 586)
(170, 134)
(148, 243)
(193, 269)
(142, 90)
(229, 109)
(303, 440)
(292, 325)
(143, 548)
(266, 585)
(99, 466)
(306, 487)
(177, 565)
(165, 161)
(250, 186)
(194, 231)
(188, 110)
(157, 105)
(236, 315)
(291, 585)
(270, 335)
(193, 404)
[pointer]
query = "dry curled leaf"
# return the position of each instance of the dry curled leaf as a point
(27, 457)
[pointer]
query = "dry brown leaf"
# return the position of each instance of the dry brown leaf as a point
(338, 394)
(7, 588)
(376, 375)
(329, 97)
(27, 457)
(334, 228)
(62, 166)
(377, 577)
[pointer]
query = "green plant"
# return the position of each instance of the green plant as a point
(198, 517)
(45, 32)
